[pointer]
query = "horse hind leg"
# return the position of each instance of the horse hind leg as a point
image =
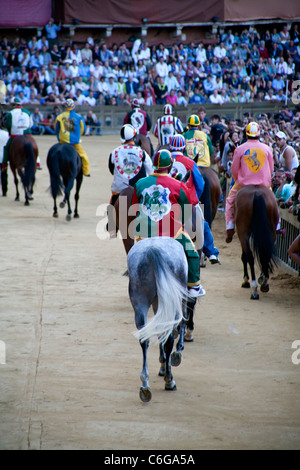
(246, 283)
(16, 181)
(170, 384)
(145, 391)
(55, 211)
(76, 197)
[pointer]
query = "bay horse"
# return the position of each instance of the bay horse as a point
(64, 165)
(23, 154)
(256, 218)
(157, 267)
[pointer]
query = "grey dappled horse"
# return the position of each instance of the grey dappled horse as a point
(157, 269)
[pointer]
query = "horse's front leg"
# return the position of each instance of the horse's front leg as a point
(169, 381)
(145, 391)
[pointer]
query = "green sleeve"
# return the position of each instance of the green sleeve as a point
(210, 146)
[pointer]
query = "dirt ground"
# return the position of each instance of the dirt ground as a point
(71, 377)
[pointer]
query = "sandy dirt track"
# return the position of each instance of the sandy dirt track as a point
(71, 377)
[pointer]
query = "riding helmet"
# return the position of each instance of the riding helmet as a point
(127, 133)
(177, 143)
(194, 120)
(253, 130)
(163, 160)
(69, 104)
(168, 109)
(135, 103)
(17, 102)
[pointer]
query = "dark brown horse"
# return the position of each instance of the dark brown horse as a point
(23, 154)
(145, 143)
(256, 218)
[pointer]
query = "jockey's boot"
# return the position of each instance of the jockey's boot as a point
(229, 235)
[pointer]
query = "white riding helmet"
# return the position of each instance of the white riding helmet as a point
(127, 133)
(168, 109)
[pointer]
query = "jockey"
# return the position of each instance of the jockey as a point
(199, 145)
(138, 118)
(163, 202)
(127, 163)
(195, 185)
(18, 121)
(69, 127)
(252, 164)
(167, 126)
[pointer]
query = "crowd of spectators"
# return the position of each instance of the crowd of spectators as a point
(239, 68)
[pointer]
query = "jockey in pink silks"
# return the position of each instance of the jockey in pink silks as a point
(252, 164)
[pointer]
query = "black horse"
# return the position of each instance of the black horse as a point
(64, 165)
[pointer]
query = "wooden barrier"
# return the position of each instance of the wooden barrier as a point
(290, 223)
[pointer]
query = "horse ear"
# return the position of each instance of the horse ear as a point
(187, 176)
(196, 158)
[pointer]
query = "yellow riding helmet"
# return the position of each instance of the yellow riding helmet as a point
(194, 120)
(253, 130)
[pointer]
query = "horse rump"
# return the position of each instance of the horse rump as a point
(152, 275)
(62, 163)
(262, 235)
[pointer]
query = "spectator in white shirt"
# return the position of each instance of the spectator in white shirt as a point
(161, 67)
(171, 82)
(220, 51)
(80, 98)
(215, 98)
(74, 69)
(201, 53)
(90, 99)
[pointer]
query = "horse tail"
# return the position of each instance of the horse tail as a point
(56, 183)
(28, 174)
(262, 239)
(170, 293)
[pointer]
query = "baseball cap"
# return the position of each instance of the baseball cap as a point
(280, 135)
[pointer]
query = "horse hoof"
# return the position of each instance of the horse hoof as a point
(145, 394)
(126, 273)
(76, 216)
(17, 199)
(62, 205)
(176, 358)
(246, 285)
(264, 288)
(55, 214)
(26, 203)
(254, 296)
(162, 370)
(260, 280)
(171, 386)
(68, 218)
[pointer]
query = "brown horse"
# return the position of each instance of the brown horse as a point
(214, 190)
(256, 218)
(23, 154)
